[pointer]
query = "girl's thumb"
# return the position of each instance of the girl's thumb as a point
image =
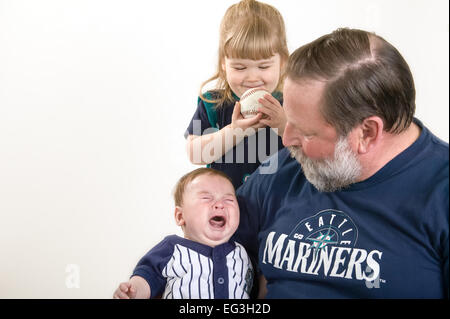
(236, 110)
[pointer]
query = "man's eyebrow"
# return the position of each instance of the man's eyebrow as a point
(301, 129)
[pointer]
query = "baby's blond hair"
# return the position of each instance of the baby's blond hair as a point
(182, 183)
(249, 30)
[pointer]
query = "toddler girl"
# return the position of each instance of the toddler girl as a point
(252, 53)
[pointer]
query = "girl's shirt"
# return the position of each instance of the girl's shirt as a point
(243, 159)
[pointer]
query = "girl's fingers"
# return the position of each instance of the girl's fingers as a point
(236, 111)
(253, 120)
(261, 124)
(267, 111)
(265, 122)
(272, 100)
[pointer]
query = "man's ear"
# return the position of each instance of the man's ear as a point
(370, 133)
(179, 220)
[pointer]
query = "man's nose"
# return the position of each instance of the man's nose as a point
(288, 136)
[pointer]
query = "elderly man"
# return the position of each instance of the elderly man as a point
(359, 205)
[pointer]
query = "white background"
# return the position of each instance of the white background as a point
(94, 99)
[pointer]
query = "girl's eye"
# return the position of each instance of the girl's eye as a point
(265, 67)
(239, 69)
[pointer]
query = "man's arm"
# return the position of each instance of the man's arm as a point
(262, 287)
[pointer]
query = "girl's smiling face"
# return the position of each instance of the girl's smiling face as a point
(209, 212)
(244, 74)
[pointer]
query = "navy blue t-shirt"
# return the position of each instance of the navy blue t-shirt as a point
(384, 237)
(243, 159)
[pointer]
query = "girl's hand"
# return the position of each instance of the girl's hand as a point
(274, 114)
(248, 126)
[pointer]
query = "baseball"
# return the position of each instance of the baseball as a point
(249, 101)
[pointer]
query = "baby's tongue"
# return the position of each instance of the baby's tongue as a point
(217, 221)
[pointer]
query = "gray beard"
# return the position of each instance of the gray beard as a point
(330, 175)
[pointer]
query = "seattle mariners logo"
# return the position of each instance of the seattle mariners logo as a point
(326, 228)
(323, 245)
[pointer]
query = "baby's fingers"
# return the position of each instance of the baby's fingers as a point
(132, 293)
(123, 291)
(125, 286)
(119, 294)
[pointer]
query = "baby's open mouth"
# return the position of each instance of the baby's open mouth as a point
(217, 221)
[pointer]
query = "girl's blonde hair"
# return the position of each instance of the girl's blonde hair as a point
(249, 30)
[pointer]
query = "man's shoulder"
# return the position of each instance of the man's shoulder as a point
(441, 148)
(280, 169)
(433, 145)
(434, 157)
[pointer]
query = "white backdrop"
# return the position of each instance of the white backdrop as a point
(94, 99)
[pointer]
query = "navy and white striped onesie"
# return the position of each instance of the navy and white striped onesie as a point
(179, 268)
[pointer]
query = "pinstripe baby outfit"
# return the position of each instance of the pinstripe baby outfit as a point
(179, 268)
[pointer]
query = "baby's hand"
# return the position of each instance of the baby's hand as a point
(274, 113)
(136, 288)
(125, 291)
(238, 121)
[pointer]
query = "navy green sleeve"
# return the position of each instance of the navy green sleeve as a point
(205, 117)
